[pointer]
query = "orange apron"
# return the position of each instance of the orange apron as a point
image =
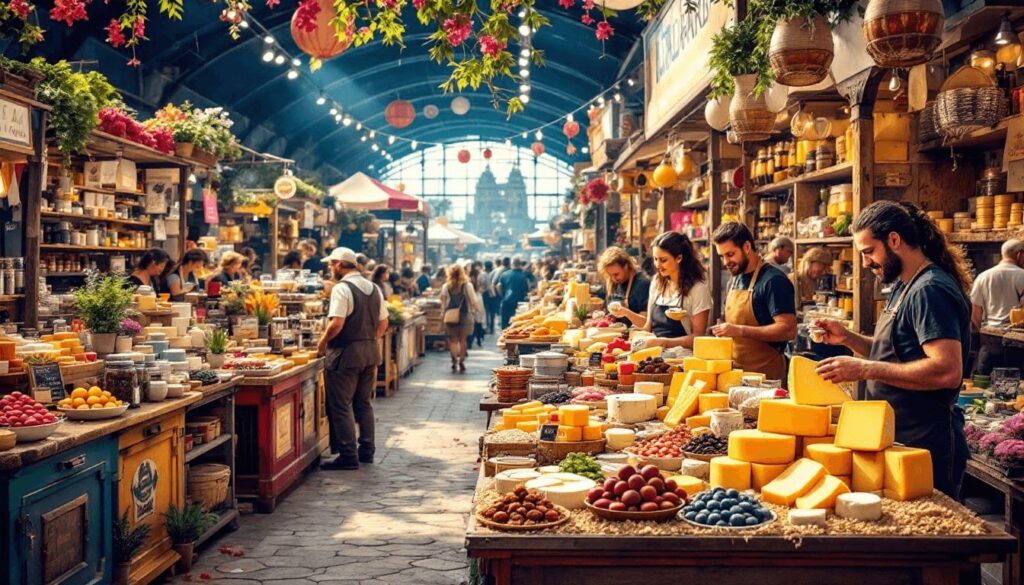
(751, 355)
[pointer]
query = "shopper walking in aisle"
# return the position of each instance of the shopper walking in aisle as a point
(624, 286)
(382, 278)
(230, 269)
(996, 291)
(780, 250)
(183, 277)
(491, 301)
(147, 272)
(479, 311)
(423, 280)
(458, 299)
(513, 287)
(760, 311)
(357, 318)
(499, 269)
(918, 355)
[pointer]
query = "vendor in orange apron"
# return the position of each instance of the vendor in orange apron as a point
(760, 313)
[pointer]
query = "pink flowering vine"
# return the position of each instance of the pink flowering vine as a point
(491, 46)
(604, 31)
(139, 27)
(587, 19)
(114, 34)
(68, 11)
(566, 4)
(305, 15)
(272, 4)
(419, 4)
(458, 29)
(20, 8)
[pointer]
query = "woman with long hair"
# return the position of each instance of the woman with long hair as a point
(230, 269)
(918, 354)
(458, 294)
(149, 268)
(381, 278)
(814, 264)
(479, 317)
(679, 302)
(625, 285)
(183, 276)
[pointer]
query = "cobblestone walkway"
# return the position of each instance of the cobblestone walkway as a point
(399, 521)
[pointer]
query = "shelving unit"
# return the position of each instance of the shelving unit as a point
(87, 219)
(835, 173)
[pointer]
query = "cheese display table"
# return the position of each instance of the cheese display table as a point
(279, 428)
(984, 479)
(62, 494)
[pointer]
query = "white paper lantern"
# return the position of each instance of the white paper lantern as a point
(776, 97)
(716, 112)
(460, 106)
(430, 111)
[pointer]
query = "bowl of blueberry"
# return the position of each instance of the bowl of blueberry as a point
(725, 508)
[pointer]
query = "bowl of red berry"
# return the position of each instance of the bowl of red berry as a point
(27, 418)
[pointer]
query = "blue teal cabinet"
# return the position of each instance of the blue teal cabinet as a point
(57, 517)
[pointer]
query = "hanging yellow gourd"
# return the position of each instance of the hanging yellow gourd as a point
(684, 166)
(664, 175)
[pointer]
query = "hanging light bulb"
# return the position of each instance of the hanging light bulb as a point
(600, 101)
(585, 150)
(524, 52)
(244, 23)
(321, 100)
(268, 40)
(522, 14)
(525, 98)
(347, 120)
(1008, 47)
(334, 111)
(414, 144)
(569, 117)
(337, 117)
(292, 74)
(508, 142)
(359, 126)
(524, 73)
(894, 82)
(630, 82)
(524, 30)
(268, 56)
(617, 97)
(524, 88)
(297, 62)
(523, 61)
(539, 135)
(391, 139)
(984, 59)
(280, 59)
(374, 147)
(524, 135)
(362, 138)
(373, 133)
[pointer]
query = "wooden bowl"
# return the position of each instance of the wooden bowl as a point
(617, 516)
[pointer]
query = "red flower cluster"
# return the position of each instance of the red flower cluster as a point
(588, 4)
(272, 4)
(419, 4)
(387, 4)
(458, 29)
(587, 19)
(68, 11)
(114, 35)
(566, 4)
(117, 122)
(604, 31)
(596, 191)
(20, 8)
(491, 46)
(305, 15)
(139, 28)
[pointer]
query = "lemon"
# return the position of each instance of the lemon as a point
(110, 405)
(96, 406)
(76, 402)
(93, 400)
(94, 391)
(105, 394)
(79, 393)
(82, 407)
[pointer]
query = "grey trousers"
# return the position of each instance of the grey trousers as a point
(348, 404)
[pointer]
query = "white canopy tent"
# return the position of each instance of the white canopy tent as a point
(441, 235)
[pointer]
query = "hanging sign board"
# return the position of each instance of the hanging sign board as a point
(676, 49)
(210, 214)
(1013, 155)
(47, 382)
(15, 124)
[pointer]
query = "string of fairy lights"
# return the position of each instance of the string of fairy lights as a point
(275, 54)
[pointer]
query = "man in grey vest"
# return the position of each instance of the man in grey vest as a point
(357, 318)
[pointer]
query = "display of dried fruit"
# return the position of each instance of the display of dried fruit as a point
(522, 507)
(655, 365)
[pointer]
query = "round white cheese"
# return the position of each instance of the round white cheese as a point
(631, 408)
(815, 517)
(549, 469)
(696, 468)
(564, 489)
(859, 506)
(619, 439)
(507, 480)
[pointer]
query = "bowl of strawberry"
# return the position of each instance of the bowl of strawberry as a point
(27, 418)
(636, 494)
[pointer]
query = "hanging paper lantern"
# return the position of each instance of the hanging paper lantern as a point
(571, 129)
(463, 156)
(664, 175)
(460, 105)
(430, 111)
(488, 154)
(570, 150)
(537, 148)
(321, 43)
(399, 114)
(716, 112)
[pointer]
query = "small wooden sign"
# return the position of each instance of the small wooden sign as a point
(46, 382)
(595, 360)
(548, 432)
(15, 123)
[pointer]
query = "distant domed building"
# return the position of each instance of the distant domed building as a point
(500, 209)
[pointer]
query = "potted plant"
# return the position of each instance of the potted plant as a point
(103, 303)
(739, 61)
(129, 328)
(127, 542)
(216, 345)
(801, 47)
(263, 306)
(185, 526)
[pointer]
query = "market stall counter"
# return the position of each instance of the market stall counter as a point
(62, 494)
(278, 422)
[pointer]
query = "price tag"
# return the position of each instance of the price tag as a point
(47, 383)
(595, 360)
(548, 432)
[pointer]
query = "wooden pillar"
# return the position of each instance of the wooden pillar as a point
(32, 226)
(274, 226)
(715, 207)
(183, 174)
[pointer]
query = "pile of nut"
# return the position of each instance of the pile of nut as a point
(654, 365)
(522, 508)
(707, 444)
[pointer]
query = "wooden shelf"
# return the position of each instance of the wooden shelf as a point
(205, 448)
(834, 292)
(984, 139)
(839, 172)
(838, 241)
(989, 237)
(89, 219)
(74, 249)
(109, 191)
(10, 298)
(701, 203)
(103, 144)
(63, 274)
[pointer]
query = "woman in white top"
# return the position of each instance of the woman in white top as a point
(681, 285)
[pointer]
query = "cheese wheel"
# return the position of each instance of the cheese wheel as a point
(859, 506)
(563, 489)
(618, 439)
(506, 481)
(727, 472)
(695, 468)
(815, 517)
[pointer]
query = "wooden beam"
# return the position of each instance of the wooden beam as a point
(715, 206)
(32, 227)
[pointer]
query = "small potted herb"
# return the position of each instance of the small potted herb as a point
(185, 526)
(129, 328)
(103, 304)
(216, 346)
(127, 543)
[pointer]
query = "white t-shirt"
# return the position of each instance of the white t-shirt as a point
(697, 301)
(996, 291)
(341, 296)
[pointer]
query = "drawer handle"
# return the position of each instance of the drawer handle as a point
(72, 463)
(151, 430)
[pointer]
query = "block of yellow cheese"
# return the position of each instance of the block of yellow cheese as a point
(868, 471)
(694, 363)
(786, 416)
(712, 400)
(797, 480)
(727, 472)
(846, 479)
(754, 446)
(803, 442)
(729, 379)
(712, 348)
(761, 474)
(527, 405)
(908, 473)
(680, 380)
(806, 386)
(710, 380)
(823, 494)
(567, 434)
(703, 365)
(661, 412)
(510, 419)
(698, 420)
(528, 426)
(535, 410)
(574, 415)
(837, 460)
(543, 418)
(692, 485)
(647, 352)
(593, 432)
(686, 404)
(866, 425)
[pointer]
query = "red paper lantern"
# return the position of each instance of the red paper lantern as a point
(571, 129)
(488, 154)
(400, 114)
(321, 43)
(537, 148)
(463, 156)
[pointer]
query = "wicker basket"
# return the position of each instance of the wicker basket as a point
(959, 111)
(926, 129)
(665, 379)
(208, 484)
(550, 452)
(903, 33)
(749, 116)
(801, 51)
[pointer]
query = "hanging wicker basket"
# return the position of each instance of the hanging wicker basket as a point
(748, 114)
(801, 51)
(903, 33)
(926, 130)
(959, 111)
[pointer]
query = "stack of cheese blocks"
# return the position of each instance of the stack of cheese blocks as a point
(68, 345)
(797, 457)
(703, 385)
(574, 422)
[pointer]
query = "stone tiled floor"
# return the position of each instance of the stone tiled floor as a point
(398, 521)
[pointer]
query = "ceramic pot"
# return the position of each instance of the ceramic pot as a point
(104, 343)
(216, 360)
(801, 51)
(183, 149)
(903, 33)
(123, 344)
(748, 114)
(186, 552)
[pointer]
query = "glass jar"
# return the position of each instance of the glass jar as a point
(142, 388)
(121, 379)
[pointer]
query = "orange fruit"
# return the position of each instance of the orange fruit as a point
(94, 391)
(78, 401)
(82, 407)
(79, 393)
(94, 400)
(110, 405)
(96, 406)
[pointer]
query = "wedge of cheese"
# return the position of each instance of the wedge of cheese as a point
(729, 379)
(642, 354)
(823, 494)
(806, 386)
(866, 425)
(837, 460)
(761, 474)
(686, 404)
(798, 479)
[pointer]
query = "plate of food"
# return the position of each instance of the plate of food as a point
(522, 510)
(676, 313)
(725, 508)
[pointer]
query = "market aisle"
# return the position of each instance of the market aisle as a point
(399, 521)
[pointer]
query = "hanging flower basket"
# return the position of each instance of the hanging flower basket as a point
(183, 149)
(748, 114)
(801, 51)
(903, 33)
(204, 156)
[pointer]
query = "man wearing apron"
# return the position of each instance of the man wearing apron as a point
(760, 311)
(357, 318)
(918, 354)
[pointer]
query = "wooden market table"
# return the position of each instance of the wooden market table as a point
(514, 348)
(280, 425)
(62, 494)
(1012, 337)
(1012, 509)
(489, 404)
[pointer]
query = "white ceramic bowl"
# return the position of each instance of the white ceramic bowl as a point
(36, 433)
(157, 391)
(94, 414)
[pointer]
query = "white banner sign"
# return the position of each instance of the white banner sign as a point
(15, 123)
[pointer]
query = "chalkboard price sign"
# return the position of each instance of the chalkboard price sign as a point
(595, 360)
(46, 378)
(548, 432)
